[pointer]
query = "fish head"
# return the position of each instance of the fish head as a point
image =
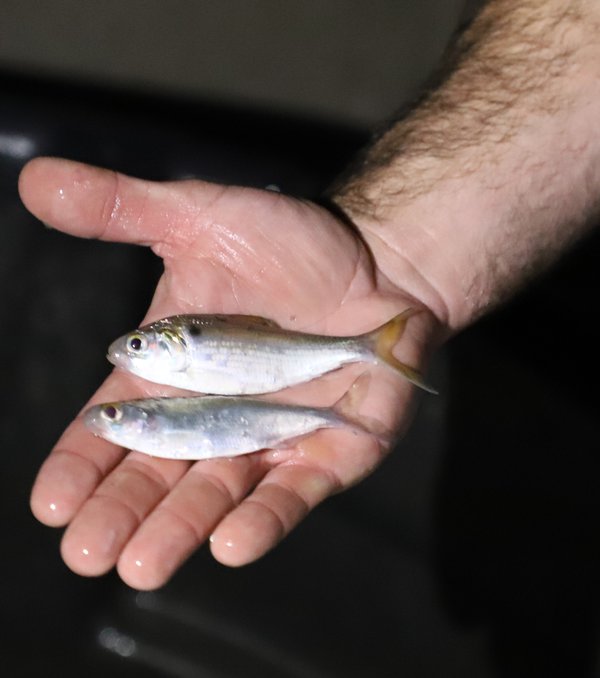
(150, 352)
(120, 423)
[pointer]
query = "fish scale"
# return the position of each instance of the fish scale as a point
(245, 355)
(236, 356)
(249, 366)
(205, 427)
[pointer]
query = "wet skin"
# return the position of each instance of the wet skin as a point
(225, 250)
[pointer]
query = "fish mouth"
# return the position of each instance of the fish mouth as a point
(117, 353)
(114, 358)
(92, 420)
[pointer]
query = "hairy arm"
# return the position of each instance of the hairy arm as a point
(497, 168)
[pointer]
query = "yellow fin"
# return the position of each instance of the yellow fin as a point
(385, 339)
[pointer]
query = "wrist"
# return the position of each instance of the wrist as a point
(427, 247)
(469, 243)
(496, 171)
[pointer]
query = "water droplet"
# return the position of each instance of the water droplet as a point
(85, 552)
(16, 146)
(53, 506)
(113, 640)
(228, 542)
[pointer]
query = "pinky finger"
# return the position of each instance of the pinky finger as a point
(281, 501)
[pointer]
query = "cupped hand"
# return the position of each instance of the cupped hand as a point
(226, 250)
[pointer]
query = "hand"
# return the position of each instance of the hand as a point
(227, 250)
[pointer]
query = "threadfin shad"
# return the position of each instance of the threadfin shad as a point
(205, 427)
(244, 355)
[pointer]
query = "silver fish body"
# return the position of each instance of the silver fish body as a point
(243, 355)
(206, 427)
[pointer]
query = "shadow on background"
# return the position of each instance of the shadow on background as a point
(518, 507)
(472, 552)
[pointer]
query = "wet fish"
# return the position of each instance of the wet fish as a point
(242, 355)
(205, 427)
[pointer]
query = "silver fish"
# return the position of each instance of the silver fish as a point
(241, 355)
(205, 427)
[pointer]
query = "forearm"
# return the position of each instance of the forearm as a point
(497, 169)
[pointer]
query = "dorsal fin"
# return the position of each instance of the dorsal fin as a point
(248, 320)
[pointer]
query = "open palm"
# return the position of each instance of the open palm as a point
(226, 250)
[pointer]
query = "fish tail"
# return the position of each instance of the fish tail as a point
(384, 339)
(347, 408)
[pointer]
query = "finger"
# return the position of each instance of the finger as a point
(323, 464)
(95, 538)
(80, 460)
(69, 475)
(90, 202)
(185, 519)
(284, 498)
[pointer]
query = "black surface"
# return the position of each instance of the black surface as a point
(471, 552)
(518, 506)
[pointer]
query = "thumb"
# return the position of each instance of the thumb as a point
(90, 202)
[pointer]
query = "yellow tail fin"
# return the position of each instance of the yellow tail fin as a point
(385, 339)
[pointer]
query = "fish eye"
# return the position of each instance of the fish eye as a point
(111, 413)
(137, 343)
